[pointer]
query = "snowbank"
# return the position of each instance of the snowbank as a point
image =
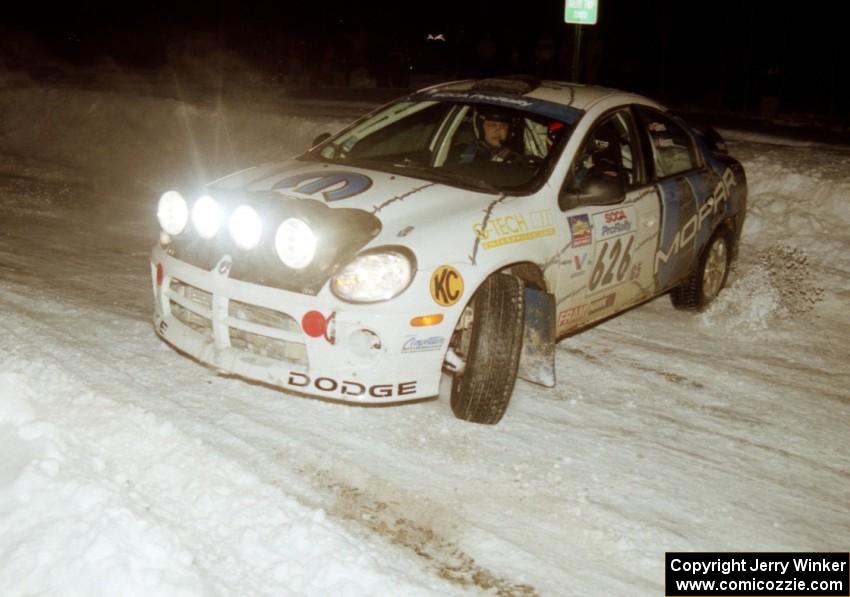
(91, 505)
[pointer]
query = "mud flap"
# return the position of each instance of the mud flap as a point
(537, 360)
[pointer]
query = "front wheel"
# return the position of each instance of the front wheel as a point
(708, 278)
(488, 339)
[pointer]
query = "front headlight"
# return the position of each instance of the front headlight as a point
(295, 243)
(375, 276)
(172, 213)
(245, 227)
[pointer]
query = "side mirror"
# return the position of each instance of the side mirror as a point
(320, 139)
(599, 189)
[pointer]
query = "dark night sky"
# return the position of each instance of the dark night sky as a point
(726, 55)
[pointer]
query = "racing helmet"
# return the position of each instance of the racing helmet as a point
(494, 114)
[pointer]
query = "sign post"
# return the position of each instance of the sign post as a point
(578, 13)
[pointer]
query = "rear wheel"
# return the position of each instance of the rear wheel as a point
(708, 278)
(488, 340)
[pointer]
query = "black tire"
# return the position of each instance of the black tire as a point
(491, 347)
(703, 285)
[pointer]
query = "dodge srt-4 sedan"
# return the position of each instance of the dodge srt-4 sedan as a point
(464, 228)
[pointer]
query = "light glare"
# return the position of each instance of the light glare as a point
(245, 227)
(206, 216)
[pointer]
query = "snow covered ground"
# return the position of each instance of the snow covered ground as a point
(129, 469)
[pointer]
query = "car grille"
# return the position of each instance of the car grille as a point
(198, 312)
(248, 328)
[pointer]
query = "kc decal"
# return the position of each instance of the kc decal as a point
(333, 185)
(446, 285)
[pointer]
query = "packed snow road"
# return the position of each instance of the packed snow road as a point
(130, 468)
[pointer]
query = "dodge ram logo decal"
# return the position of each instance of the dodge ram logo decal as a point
(334, 186)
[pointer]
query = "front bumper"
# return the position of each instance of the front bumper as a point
(370, 353)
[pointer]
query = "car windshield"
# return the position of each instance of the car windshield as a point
(482, 146)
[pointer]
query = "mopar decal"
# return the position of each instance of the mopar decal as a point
(333, 186)
(351, 388)
(708, 210)
(446, 285)
(510, 229)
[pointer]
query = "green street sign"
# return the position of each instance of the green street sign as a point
(581, 12)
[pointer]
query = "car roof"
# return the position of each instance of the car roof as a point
(575, 95)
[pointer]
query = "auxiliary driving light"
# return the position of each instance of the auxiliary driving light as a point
(295, 243)
(172, 212)
(245, 227)
(206, 217)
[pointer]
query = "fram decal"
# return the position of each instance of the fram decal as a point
(333, 185)
(571, 316)
(446, 285)
(414, 344)
(351, 388)
(688, 231)
(580, 230)
(506, 230)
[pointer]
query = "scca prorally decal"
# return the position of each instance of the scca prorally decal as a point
(351, 388)
(334, 186)
(710, 208)
(505, 230)
(613, 223)
(446, 286)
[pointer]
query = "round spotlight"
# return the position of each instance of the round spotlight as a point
(172, 212)
(245, 227)
(295, 243)
(206, 217)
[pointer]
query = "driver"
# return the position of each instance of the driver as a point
(494, 129)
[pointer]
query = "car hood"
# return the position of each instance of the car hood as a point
(394, 199)
(348, 209)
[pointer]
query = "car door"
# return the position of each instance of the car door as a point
(608, 264)
(683, 183)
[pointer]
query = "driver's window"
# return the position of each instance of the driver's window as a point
(608, 150)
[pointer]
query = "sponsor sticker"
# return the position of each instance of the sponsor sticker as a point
(350, 388)
(414, 344)
(571, 316)
(446, 285)
(601, 304)
(514, 228)
(580, 230)
(613, 223)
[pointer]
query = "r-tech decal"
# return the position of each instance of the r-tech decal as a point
(514, 228)
(333, 185)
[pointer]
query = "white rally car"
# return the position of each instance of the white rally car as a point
(464, 228)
